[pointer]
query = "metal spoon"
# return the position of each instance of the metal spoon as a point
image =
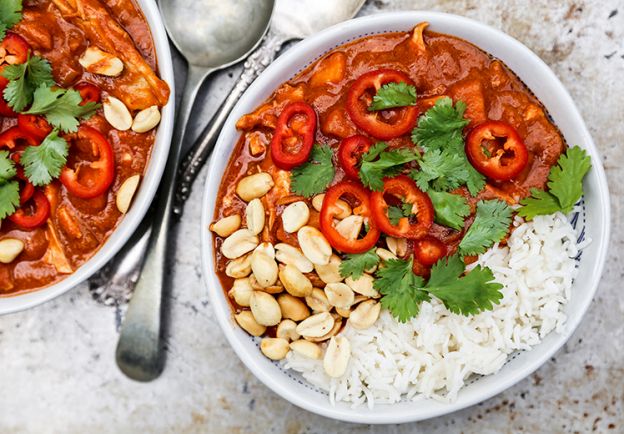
(211, 35)
(293, 19)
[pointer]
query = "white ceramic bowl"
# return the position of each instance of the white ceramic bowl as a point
(145, 194)
(595, 218)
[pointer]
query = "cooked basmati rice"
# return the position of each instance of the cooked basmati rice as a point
(433, 354)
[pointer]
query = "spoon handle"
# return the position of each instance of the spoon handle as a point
(138, 349)
(201, 149)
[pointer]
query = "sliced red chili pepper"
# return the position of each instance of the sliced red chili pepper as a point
(30, 217)
(496, 150)
(14, 49)
(294, 135)
(382, 124)
(429, 250)
(350, 153)
(5, 109)
(88, 92)
(359, 197)
(15, 138)
(26, 188)
(90, 178)
(406, 190)
(34, 125)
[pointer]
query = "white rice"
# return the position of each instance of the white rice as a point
(432, 355)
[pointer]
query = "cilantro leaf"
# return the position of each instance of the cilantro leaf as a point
(355, 264)
(314, 176)
(441, 126)
(541, 202)
(7, 166)
(390, 163)
(440, 170)
(467, 295)
(9, 198)
(490, 225)
(60, 107)
(24, 79)
(401, 288)
(475, 181)
(450, 209)
(44, 162)
(565, 182)
(10, 15)
(392, 95)
(396, 213)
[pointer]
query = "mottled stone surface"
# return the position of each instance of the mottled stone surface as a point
(57, 369)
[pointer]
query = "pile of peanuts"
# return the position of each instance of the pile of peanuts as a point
(274, 283)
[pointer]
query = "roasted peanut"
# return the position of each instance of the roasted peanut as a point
(314, 245)
(126, 193)
(254, 186)
(365, 314)
(345, 209)
(239, 267)
(292, 307)
(398, 246)
(339, 295)
(146, 119)
(317, 300)
(239, 243)
(289, 255)
(254, 215)
(337, 356)
(350, 227)
(100, 62)
(287, 329)
(266, 248)
(363, 285)
(316, 325)
(264, 268)
(295, 216)
(265, 309)
(226, 226)
(384, 254)
(274, 348)
(295, 282)
(117, 114)
(306, 349)
(333, 332)
(246, 320)
(241, 292)
(10, 248)
(330, 272)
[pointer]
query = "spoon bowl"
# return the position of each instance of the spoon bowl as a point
(214, 34)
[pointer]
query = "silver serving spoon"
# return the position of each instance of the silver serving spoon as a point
(211, 35)
(292, 19)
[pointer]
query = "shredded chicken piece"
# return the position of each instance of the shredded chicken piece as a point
(417, 36)
(141, 87)
(55, 255)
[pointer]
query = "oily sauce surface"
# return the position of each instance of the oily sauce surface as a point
(448, 67)
(81, 226)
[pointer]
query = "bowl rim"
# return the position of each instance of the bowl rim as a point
(149, 183)
(217, 297)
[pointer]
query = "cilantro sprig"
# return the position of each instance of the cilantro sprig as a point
(44, 162)
(355, 264)
(314, 176)
(450, 209)
(565, 183)
(10, 15)
(465, 294)
(9, 188)
(24, 79)
(396, 213)
(393, 95)
(490, 225)
(61, 107)
(379, 163)
(440, 134)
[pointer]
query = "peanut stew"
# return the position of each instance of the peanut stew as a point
(393, 152)
(80, 100)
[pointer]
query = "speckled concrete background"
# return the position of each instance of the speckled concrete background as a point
(57, 369)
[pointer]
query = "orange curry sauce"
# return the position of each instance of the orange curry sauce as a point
(439, 65)
(77, 228)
